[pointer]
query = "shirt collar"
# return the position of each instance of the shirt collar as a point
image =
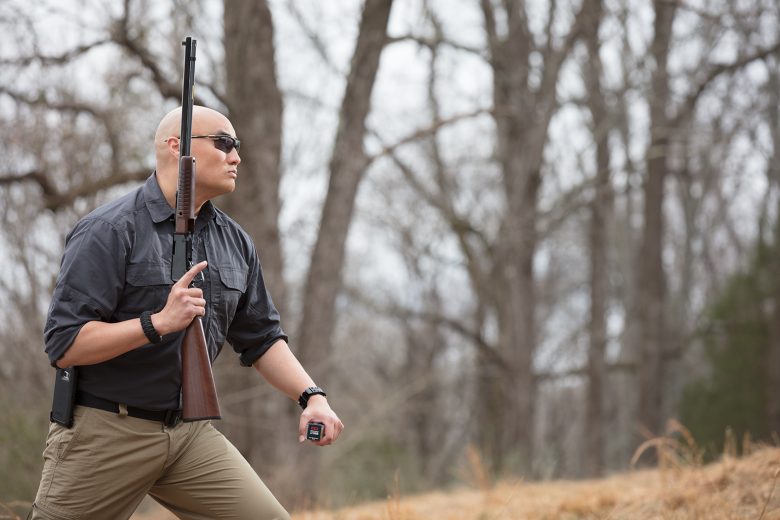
(207, 212)
(160, 210)
(158, 207)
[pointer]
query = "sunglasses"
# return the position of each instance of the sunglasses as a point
(222, 142)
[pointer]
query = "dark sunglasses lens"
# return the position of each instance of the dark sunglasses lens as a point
(226, 143)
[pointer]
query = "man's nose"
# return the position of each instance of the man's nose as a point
(233, 157)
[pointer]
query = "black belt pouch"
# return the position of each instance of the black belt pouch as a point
(64, 397)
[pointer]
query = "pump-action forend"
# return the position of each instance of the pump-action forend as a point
(185, 205)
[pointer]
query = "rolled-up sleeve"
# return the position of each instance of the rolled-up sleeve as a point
(89, 285)
(256, 325)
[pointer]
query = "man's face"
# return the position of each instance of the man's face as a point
(215, 170)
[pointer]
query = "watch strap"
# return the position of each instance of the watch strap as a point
(303, 400)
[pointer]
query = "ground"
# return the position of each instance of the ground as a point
(731, 489)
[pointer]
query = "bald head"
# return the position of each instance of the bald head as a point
(204, 120)
(217, 169)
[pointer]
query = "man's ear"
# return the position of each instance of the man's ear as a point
(173, 146)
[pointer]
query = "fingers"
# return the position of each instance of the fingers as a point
(333, 427)
(332, 431)
(184, 302)
(190, 275)
(196, 305)
(194, 292)
(199, 310)
(187, 298)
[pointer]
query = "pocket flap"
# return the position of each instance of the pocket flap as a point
(233, 278)
(141, 275)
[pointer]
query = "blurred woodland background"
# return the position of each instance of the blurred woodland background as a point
(531, 230)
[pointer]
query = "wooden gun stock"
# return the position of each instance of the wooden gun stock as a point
(199, 393)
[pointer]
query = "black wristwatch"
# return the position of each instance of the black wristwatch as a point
(303, 400)
(149, 331)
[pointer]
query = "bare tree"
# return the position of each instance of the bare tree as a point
(346, 169)
(601, 210)
(773, 176)
(651, 282)
(667, 118)
(522, 113)
(250, 68)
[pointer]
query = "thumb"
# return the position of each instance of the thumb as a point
(302, 429)
(187, 278)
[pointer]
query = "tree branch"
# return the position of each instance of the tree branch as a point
(425, 132)
(54, 200)
(42, 100)
(120, 35)
(618, 366)
(61, 59)
(36, 176)
(715, 71)
(314, 38)
(402, 313)
(430, 43)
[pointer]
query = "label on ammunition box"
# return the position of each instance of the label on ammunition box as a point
(315, 431)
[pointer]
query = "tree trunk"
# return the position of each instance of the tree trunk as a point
(522, 115)
(255, 109)
(600, 210)
(347, 165)
(255, 105)
(651, 282)
(773, 174)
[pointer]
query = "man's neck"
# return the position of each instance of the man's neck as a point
(168, 182)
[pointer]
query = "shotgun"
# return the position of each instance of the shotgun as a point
(198, 392)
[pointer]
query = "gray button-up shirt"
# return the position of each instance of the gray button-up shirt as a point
(117, 264)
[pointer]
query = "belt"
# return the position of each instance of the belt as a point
(167, 417)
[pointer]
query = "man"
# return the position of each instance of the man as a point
(126, 440)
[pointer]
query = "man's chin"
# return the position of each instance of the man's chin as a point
(229, 186)
(224, 188)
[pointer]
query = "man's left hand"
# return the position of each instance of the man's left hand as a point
(318, 410)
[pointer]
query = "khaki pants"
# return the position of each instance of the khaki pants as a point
(102, 467)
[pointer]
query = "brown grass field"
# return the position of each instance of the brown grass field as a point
(731, 489)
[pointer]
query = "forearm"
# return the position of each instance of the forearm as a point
(98, 341)
(281, 368)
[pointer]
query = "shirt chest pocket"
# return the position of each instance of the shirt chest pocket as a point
(146, 288)
(229, 288)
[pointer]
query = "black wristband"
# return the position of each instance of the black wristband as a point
(149, 331)
(303, 400)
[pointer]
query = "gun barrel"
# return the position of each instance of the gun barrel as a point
(187, 97)
(198, 392)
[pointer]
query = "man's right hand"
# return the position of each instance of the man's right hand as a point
(184, 303)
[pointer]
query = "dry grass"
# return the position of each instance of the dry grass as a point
(681, 488)
(729, 490)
